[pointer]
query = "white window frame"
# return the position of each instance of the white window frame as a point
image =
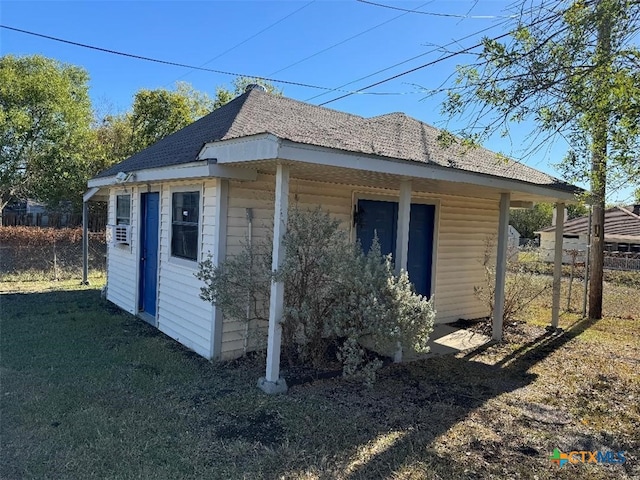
(117, 218)
(186, 262)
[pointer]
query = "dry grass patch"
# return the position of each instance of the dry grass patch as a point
(90, 392)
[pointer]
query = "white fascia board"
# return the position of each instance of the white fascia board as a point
(89, 193)
(199, 169)
(267, 146)
(326, 156)
(263, 146)
(101, 182)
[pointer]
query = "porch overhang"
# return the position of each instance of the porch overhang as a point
(198, 169)
(337, 166)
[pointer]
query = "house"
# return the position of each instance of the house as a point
(514, 237)
(25, 212)
(201, 189)
(621, 234)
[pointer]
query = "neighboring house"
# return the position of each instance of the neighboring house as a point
(26, 212)
(513, 242)
(201, 189)
(514, 237)
(621, 234)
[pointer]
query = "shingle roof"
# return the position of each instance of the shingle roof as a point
(394, 135)
(617, 221)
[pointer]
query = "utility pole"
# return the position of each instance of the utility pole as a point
(599, 157)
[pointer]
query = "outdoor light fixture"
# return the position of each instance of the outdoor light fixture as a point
(123, 177)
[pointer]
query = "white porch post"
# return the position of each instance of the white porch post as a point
(557, 265)
(501, 265)
(85, 233)
(219, 254)
(271, 382)
(401, 254)
(85, 242)
(402, 235)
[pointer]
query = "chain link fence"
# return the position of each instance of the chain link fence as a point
(33, 253)
(621, 297)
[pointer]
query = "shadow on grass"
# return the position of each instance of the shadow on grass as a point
(51, 336)
(483, 382)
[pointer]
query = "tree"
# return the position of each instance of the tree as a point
(572, 68)
(158, 113)
(44, 129)
(114, 140)
(161, 112)
(529, 221)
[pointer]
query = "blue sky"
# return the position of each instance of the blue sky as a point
(271, 39)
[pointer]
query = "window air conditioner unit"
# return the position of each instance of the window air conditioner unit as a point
(119, 234)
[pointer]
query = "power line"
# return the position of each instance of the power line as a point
(435, 14)
(420, 67)
(343, 41)
(406, 61)
(246, 40)
(183, 65)
(438, 60)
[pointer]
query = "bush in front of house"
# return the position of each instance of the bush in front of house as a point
(522, 285)
(337, 298)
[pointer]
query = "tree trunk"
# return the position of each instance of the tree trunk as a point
(597, 256)
(599, 160)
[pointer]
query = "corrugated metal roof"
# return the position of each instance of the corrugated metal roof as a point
(394, 135)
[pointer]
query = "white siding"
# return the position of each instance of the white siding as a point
(181, 313)
(465, 224)
(548, 242)
(121, 259)
(259, 196)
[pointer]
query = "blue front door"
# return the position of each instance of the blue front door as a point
(377, 218)
(149, 221)
(381, 218)
(420, 256)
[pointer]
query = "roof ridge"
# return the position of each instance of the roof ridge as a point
(628, 212)
(305, 104)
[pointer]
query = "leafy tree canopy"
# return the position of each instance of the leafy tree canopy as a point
(529, 221)
(553, 70)
(45, 124)
(570, 66)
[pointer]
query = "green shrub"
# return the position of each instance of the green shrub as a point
(334, 295)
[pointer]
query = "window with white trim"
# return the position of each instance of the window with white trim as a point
(123, 210)
(185, 216)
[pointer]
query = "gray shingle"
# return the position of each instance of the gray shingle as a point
(394, 135)
(617, 221)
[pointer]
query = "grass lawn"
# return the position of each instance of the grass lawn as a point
(90, 392)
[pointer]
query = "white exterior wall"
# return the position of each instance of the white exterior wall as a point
(463, 226)
(181, 313)
(466, 225)
(122, 260)
(548, 242)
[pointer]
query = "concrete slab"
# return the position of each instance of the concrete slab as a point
(448, 340)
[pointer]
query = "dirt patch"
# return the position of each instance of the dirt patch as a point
(545, 414)
(262, 426)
